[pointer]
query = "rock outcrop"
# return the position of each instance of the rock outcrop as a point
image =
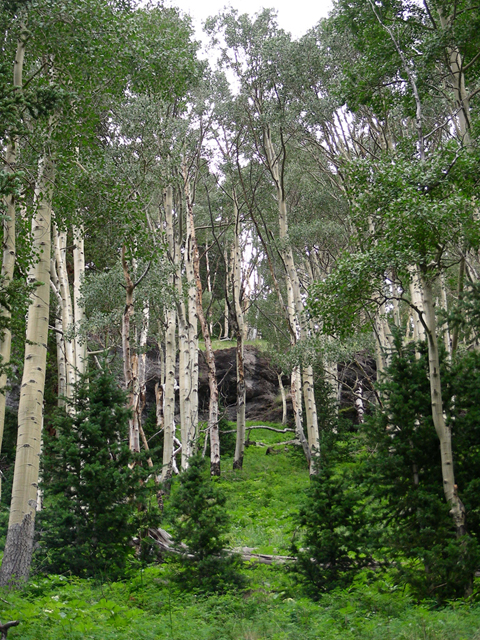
(263, 402)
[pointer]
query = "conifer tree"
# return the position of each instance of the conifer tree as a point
(95, 491)
(200, 526)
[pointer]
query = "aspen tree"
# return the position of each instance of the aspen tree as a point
(209, 355)
(19, 545)
(170, 353)
(239, 334)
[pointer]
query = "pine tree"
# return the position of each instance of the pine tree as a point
(200, 526)
(95, 488)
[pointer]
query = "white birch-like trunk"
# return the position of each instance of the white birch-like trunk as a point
(169, 395)
(209, 355)
(130, 360)
(19, 545)
(294, 302)
(239, 332)
(192, 340)
(60, 244)
(61, 366)
(457, 509)
(359, 402)
(80, 341)
(170, 355)
(295, 392)
(446, 330)
(419, 334)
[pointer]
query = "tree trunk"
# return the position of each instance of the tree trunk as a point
(284, 398)
(239, 332)
(169, 395)
(60, 244)
(130, 361)
(295, 385)
(61, 366)
(78, 308)
(294, 300)
(192, 338)
(457, 510)
(19, 545)
(209, 355)
(9, 246)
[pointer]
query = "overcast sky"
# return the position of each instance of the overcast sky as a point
(295, 16)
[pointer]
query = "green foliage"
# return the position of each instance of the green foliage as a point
(97, 496)
(200, 522)
(335, 519)
(403, 471)
(378, 497)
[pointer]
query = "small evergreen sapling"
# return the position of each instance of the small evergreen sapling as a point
(200, 524)
(95, 491)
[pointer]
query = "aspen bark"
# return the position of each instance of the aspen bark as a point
(456, 65)
(209, 355)
(78, 308)
(19, 545)
(61, 366)
(169, 396)
(192, 327)
(457, 509)
(294, 302)
(170, 354)
(295, 384)
(9, 251)
(446, 330)
(130, 360)
(60, 245)
(419, 334)
(239, 332)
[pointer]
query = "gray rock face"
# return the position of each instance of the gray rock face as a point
(262, 402)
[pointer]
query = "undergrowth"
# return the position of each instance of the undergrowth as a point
(261, 500)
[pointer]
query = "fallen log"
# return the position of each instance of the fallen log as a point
(5, 627)
(164, 540)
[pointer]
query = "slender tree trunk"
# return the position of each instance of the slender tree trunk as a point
(419, 334)
(294, 298)
(284, 398)
(295, 384)
(19, 545)
(239, 332)
(209, 355)
(169, 395)
(170, 354)
(61, 365)
(192, 344)
(457, 510)
(78, 308)
(60, 244)
(461, 276)
(9, 245)
(130, 361)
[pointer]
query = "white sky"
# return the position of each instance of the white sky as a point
(295, 16)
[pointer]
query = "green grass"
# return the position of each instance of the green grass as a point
(147, 607)
(261, 500)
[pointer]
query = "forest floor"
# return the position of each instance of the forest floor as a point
(261, 500)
